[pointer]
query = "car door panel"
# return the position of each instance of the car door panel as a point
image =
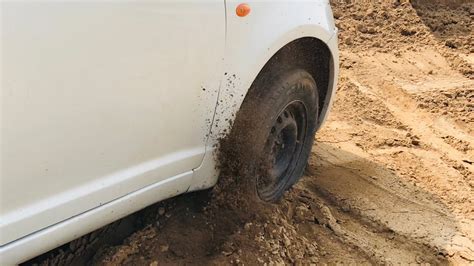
(100, 99)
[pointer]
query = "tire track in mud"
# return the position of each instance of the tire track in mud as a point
(386, 225)
(431, 129)
(404, 108)
(380, 243)
(406, 189)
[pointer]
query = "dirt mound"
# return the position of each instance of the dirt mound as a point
(184, 230)
(452, 26)
(398, 26)
(456, 103)
(381, 27)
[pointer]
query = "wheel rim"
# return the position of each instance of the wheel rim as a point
(282, 150)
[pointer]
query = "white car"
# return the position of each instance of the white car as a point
(110, 106)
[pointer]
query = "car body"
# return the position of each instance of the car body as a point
(110, 106)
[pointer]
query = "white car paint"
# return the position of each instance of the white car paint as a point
(108, 88)
(106, 106)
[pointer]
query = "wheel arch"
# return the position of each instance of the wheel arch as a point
(241, 73)
(308, 53)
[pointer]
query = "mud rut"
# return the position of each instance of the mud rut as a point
(390, 180)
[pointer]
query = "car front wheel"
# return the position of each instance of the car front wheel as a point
(271, 140)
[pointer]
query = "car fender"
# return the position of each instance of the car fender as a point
(249, 46)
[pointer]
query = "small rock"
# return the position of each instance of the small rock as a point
(164, 248)
(419, 259)
(155, 263)
(337, 14)
(286, 241)
(452, 44)
(302, 213)
(362, 28)
(369, 12)
(346, 208)
(407, 32)
(247, 226)
(161, 211)
(227, 253)
(448, 94)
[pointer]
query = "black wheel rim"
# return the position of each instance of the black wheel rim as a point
(282, 151)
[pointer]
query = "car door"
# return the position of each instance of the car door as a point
(100, 99)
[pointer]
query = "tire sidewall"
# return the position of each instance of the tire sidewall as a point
(258, 115)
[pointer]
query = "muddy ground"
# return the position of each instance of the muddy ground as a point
(390, 179)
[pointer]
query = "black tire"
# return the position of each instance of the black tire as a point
(271, 140)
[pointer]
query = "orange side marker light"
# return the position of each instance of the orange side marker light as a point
(242, 10)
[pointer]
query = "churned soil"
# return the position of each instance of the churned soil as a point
(391, 175)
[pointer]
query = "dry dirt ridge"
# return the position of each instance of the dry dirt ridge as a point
(390, 180)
